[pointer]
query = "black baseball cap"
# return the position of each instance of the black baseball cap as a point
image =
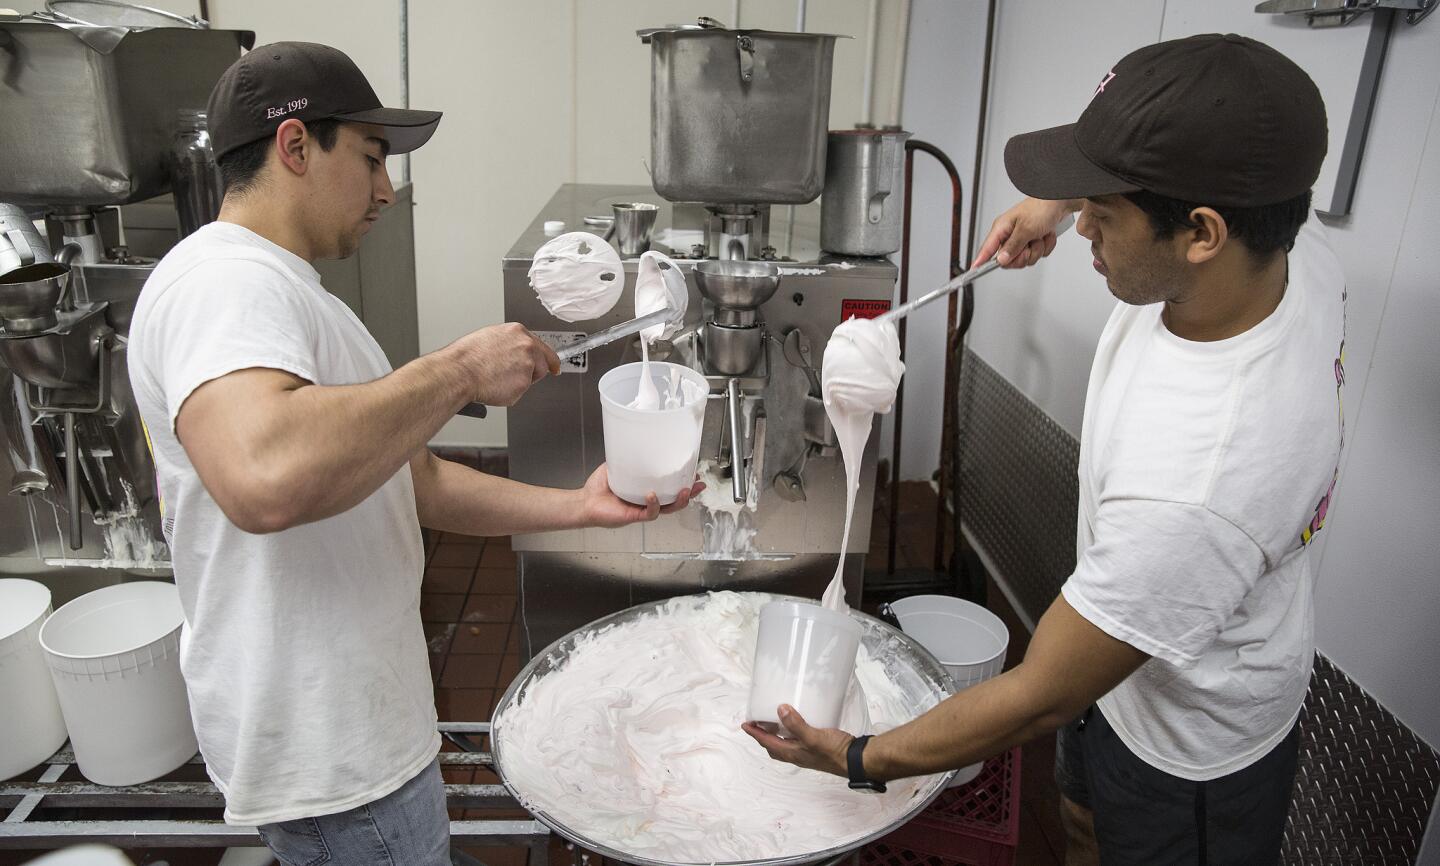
(1221, 120)
(304, 80)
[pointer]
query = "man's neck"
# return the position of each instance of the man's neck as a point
(1230, 298)
(272, 221)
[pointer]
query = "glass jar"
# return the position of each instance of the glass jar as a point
(194, 173)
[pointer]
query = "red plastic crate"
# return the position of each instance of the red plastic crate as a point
(974, 825)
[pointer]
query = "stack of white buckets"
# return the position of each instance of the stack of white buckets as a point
(104, 670)
(967, 639)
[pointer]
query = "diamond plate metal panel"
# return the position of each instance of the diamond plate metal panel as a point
(1019, 486)
(1365, 785)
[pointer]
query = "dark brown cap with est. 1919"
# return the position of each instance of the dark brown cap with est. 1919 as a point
(310, 82)
(1220, 120)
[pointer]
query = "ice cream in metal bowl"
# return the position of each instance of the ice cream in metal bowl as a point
(623, 737)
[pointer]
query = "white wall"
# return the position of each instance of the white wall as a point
(1378, 560)
(944, 68)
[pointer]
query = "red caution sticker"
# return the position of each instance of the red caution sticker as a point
(858, 308)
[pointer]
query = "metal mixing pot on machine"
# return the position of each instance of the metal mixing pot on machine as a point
(91, 118)
(738, 141)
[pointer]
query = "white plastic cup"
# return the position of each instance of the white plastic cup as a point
(31, 725)
(650, 452)
(967, 639)
(804, 657)
(114, 655)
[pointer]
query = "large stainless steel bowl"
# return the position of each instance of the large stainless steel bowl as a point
(922, 679)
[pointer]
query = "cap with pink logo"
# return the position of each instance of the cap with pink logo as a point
(1221, 120)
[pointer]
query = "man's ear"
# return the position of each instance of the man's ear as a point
(292, 144)
(1208, 238)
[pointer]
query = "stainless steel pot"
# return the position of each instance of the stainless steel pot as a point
(84, 126)
(862, 213)
(739, 116)
(923, 680)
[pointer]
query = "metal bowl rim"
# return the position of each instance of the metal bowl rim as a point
(917, 805)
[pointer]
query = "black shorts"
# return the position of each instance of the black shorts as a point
(1147, 817)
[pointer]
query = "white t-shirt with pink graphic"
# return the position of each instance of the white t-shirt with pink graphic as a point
(1205, 471)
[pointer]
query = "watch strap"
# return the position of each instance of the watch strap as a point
(855, 767)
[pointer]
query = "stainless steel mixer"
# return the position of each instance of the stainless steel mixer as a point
(90, 115)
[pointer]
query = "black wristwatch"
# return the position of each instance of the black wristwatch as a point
(855, 764)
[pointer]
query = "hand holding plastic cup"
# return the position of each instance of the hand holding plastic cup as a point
(804, 657)
(651, 451)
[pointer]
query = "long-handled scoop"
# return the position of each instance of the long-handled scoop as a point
(594, 341)
(615, 332)
(969, 276)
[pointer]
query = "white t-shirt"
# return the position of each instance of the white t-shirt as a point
(1205, 470)
(303, 650)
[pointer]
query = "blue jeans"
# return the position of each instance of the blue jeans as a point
(409, 827)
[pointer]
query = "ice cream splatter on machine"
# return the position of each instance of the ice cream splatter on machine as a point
(635, 740)
(577, 276)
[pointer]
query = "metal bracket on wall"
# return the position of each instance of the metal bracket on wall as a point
(1334, 13)
(1337, 13)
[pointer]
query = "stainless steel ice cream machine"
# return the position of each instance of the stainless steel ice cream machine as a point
(738, 157)
(784, 536)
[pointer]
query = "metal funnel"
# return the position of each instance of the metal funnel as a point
(737, 285)
(30, 295)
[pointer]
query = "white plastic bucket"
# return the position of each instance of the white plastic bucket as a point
(967, 639)
(31, 726)
(650, 452)
(115, 657)
(804, 657)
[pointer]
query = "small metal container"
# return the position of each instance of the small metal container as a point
(20, 243)
(739, 116)
(634, 221)
(863, 211)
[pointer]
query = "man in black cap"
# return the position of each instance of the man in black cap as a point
(294, 474)
(1211, 439)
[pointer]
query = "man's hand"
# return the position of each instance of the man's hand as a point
(603, 508)
(503, 361)
(1024, 234)
(820, 749)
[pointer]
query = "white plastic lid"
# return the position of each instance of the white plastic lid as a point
(554, 227)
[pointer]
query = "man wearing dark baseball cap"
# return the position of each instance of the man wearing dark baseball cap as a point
(294, 473)
(1176, 659)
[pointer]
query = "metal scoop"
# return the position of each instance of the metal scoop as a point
(968, 277)
(594, 341)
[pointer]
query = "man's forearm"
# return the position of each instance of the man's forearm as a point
(459, 499)
(332, 446)
(976, 724)
(1042, 693)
